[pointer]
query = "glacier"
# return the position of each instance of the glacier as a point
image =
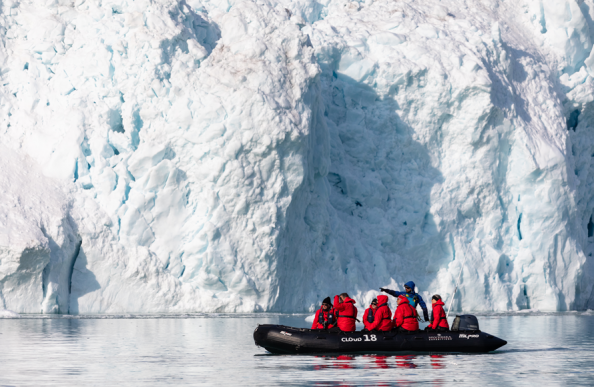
(173, 156)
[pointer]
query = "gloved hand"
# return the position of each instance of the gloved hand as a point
(384, 290)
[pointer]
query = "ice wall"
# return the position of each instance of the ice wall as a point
(449, 138)
(36, 235)
(261, 155)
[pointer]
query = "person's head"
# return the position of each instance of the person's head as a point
(401, 299)
(343, 297)
(326, 304)
(435, 298)
(374, 303)
(409, 287)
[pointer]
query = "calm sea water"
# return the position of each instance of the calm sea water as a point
(543, 349)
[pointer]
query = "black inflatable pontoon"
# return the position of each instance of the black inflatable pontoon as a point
(284, 339)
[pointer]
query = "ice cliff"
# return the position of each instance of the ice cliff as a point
(179, 156)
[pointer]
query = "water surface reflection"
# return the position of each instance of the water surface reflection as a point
(219, 350)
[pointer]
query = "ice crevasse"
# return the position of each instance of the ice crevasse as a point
(246, 156)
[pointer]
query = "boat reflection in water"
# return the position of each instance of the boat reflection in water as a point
(374, 362)
(380, 361)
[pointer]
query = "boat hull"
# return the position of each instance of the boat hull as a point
(284, 339)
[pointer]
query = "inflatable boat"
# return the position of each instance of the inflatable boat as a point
(464, 337)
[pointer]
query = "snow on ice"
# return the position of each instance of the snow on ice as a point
(239, 156)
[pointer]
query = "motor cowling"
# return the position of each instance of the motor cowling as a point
(465, 322)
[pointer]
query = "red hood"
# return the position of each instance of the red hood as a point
(382, 300)
(403, 300)
(349, 300)
(439, 302)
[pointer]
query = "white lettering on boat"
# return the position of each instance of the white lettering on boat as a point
(346, 339)
(439, 337)
(465, 336)
(286, 333)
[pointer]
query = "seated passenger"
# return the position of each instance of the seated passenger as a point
(346, 313)
(381, 316)
(324, 318)
(368, 315)
(440, 322)
(405, 318)
(413, 298)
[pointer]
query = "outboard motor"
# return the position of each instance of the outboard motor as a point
(465, 322)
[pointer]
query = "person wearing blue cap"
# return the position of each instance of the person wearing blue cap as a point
(414, 299)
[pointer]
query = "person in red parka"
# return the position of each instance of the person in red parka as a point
(368, 315)
(440, 322)
(346, 313)
(381, 316)
(405, 318)
(325, 317)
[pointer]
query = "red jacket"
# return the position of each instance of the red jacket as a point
(347, 314)
(439, 316)
(406, 316)
(325, 313)
(382, 316)
(365, 317)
